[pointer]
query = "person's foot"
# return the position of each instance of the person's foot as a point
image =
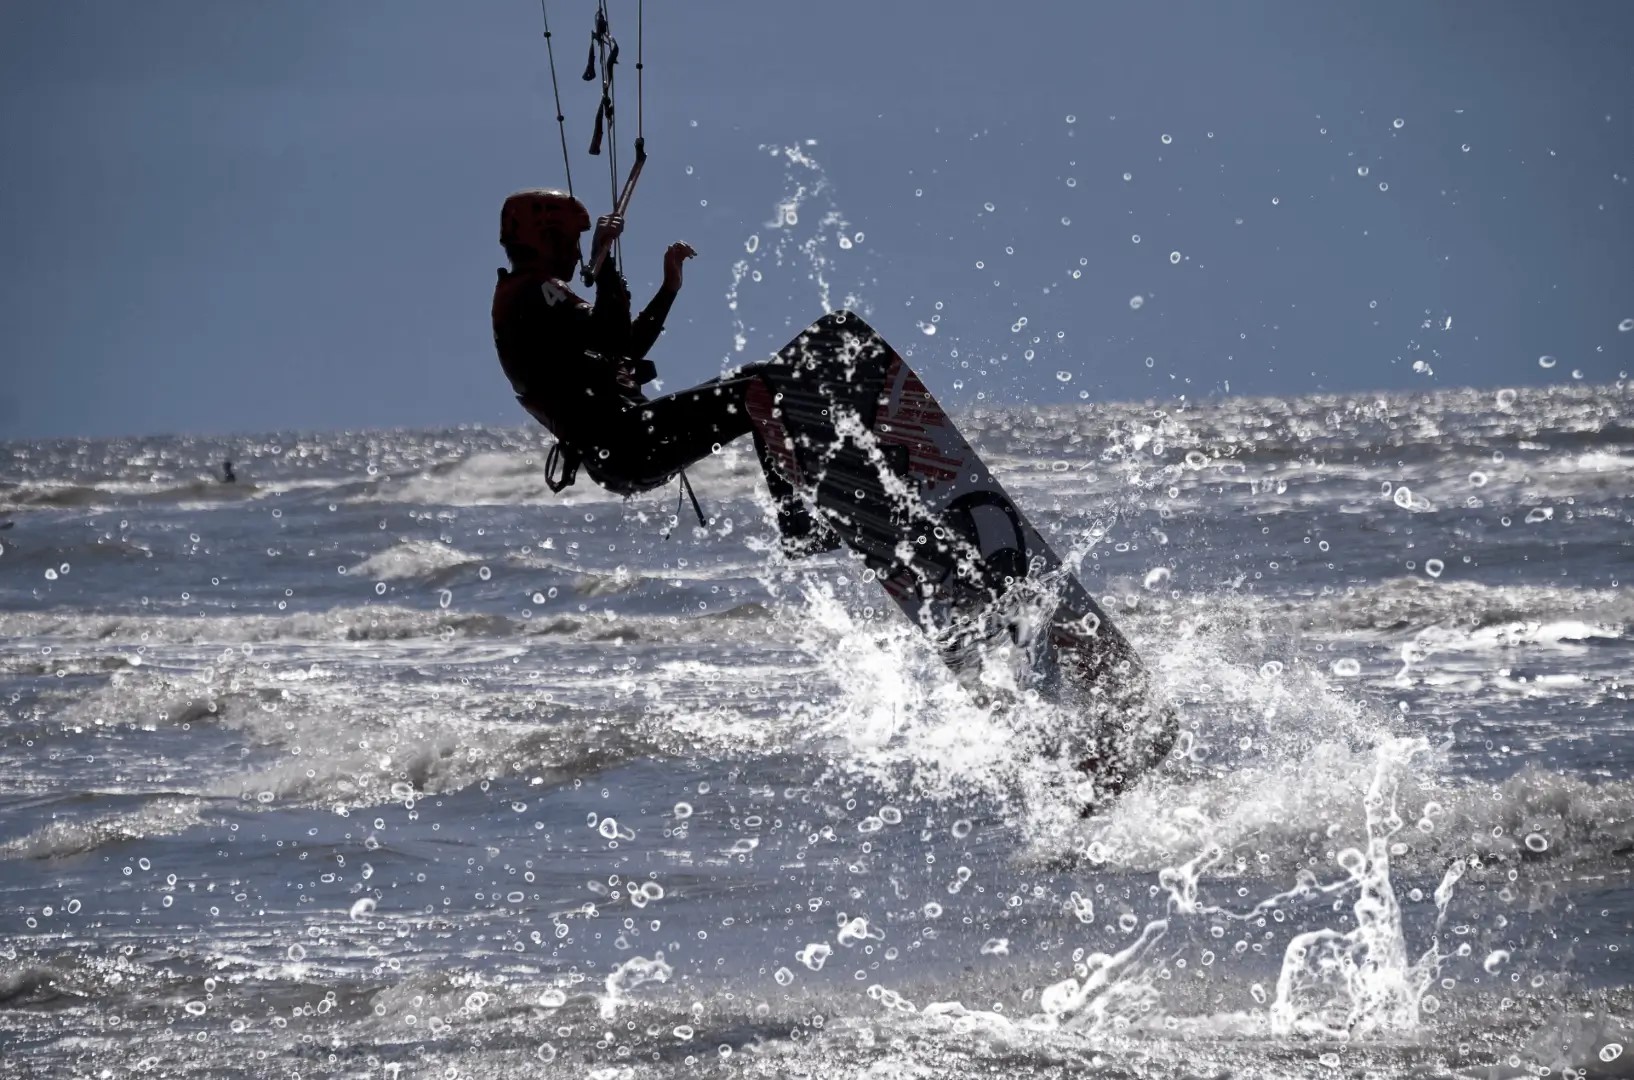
(803, 535)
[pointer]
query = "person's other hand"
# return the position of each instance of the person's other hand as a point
(674, 256)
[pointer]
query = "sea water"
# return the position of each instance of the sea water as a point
(384, 761)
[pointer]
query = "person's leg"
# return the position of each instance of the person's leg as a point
(654, 440)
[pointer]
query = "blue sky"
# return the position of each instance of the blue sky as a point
(231, 217)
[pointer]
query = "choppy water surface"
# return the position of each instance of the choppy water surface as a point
(385, 762)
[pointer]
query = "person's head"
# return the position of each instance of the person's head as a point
(540, 228)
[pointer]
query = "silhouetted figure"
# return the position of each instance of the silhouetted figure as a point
(578, 367)
(227, 475)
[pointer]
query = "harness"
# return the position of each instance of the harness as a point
(565, 460)
(562, 470)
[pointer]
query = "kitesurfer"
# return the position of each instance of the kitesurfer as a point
(578, 367)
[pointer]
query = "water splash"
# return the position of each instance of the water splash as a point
(808, 233)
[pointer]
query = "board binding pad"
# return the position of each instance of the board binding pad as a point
(850, 424)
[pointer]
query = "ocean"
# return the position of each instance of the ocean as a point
(385, 762)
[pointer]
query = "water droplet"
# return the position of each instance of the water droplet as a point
(1276, 200)
(1477, 479)
(1135, 239)
(752, 244)
(1403, 497)
(1362, 170)
(1465, 148)
(1506, 398)
(1071, 119)
(1174, 258)
(1347, 668)
(1167, 139)
(484, 573)
(362, 909)
(1537, 842)
(1384, 185)
(1072, 182)
(815, 955)
(1626, 325)
(1611, 1051)
(988, 207)
(297, 953)
(1135, 302)
(1399, 123)
(928, 329)
(1433, 567)
(1547, 361)
(683, 811)
(1128, 176)
(1063, 376)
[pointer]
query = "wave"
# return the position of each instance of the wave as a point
(50, 495)
(1271, 817)
(485, 479)
(382, 624)
(1498, 614)
(414, 559)
(506, 478)
(77, 836)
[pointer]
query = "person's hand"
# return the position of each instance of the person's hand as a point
(674, 256)
(609, 227)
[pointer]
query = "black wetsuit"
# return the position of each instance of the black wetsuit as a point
(578, 368)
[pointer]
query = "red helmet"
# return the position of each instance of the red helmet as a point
(529, 216)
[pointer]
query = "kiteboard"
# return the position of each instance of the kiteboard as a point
(851, 425)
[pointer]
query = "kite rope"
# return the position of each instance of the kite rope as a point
(556, 91)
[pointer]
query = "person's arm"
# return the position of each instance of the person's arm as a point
(646, 327)
(649, 324)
